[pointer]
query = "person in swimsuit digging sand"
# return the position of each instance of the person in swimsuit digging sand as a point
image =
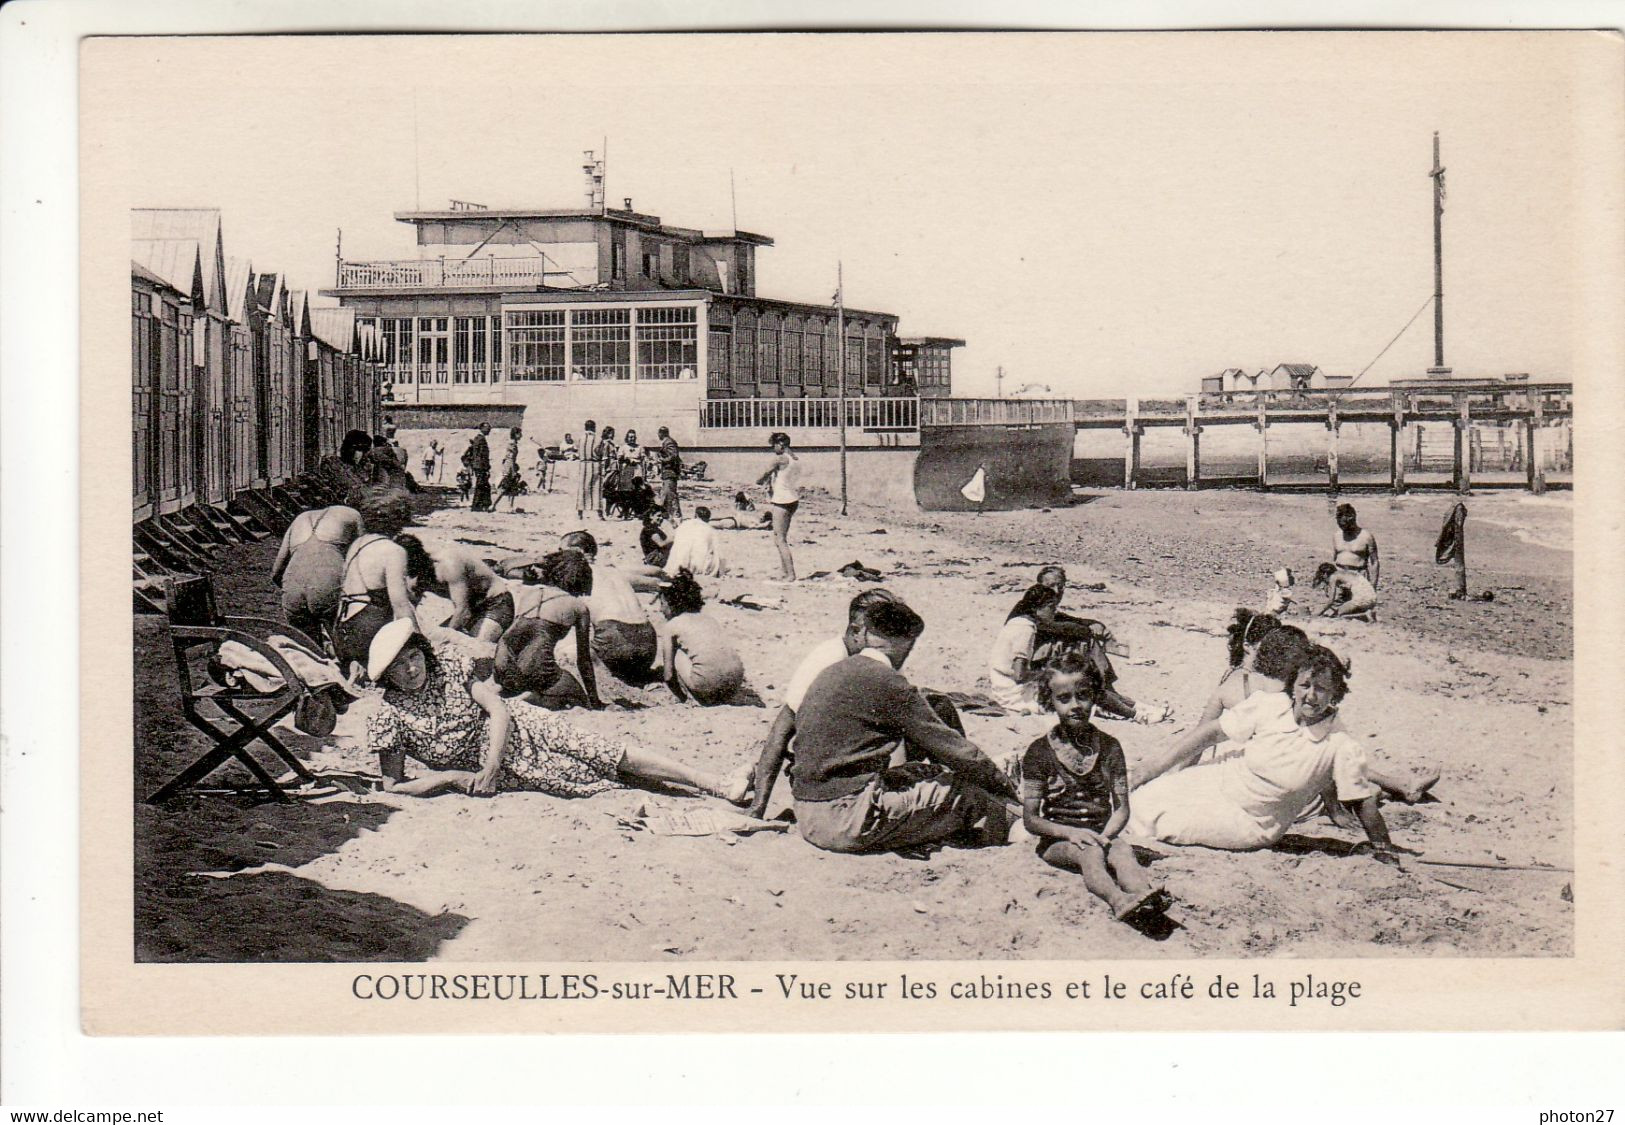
(309, 566)
(525, 661)
(481, 604)
(380, 582)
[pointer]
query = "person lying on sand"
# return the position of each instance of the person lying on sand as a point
(745, 517)
(1075, 798)
(1295, 751)
(481, 603)
(1350, 595)
(441, 708)
(1065, 632)
(1242, 698)
(853, 716)
(525, 662)
(695, 658)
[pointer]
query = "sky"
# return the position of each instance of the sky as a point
(1105, 215)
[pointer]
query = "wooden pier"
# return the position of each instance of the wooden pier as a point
(1523, 407)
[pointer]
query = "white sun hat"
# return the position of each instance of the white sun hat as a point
(386, 646)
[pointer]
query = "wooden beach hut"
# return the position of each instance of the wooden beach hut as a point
(166, 281)
(209, 337)
(244, 425)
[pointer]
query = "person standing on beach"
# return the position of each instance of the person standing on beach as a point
(587, 478)
(783, 481)
(855, 714)
(478, 460)
(671, 471)
(1354, 548)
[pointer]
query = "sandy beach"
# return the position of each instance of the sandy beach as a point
(1482, 691)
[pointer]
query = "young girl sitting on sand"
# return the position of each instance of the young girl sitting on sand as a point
(1074, 794)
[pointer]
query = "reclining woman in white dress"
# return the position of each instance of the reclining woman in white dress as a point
(1292, 750)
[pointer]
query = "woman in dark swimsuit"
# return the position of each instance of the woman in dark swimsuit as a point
(310, 566)
(525, 664)
(379, 575)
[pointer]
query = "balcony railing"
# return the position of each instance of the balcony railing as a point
(871, 414)
(994, 411)
(439, 273)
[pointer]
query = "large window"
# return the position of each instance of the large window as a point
(433, 349)
(469, 349)
(854, 357)
(812, 347)
(874, 358)
(668, 343)
(791, 351)
(601, 343)
(536, 346)
(398, 347)
(719, 358)
(745, 349)
(767, 349)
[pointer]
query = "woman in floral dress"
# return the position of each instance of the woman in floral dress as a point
(442, 708)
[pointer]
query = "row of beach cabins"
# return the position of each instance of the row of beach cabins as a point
(240, 386)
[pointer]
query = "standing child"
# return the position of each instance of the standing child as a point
(1074, 794)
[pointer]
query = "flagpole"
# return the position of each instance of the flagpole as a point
(840, 351)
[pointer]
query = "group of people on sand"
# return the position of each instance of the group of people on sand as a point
(1350, 579)
(879, 764)
(874, 763)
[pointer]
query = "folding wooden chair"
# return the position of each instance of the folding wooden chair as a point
(232, 717)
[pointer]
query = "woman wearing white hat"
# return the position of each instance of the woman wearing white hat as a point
(442, 708)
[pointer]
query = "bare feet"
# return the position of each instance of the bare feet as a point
(735, 787)
(1420, 788)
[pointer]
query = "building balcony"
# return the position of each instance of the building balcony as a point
(456, 273)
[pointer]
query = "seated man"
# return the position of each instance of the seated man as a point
(832, 651)
(696, 548)
(853, 716)
(481, 604)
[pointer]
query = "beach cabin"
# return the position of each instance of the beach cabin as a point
(163, 288)
(274, 389)
(201, 227)
(1297, 377)
(243, 423)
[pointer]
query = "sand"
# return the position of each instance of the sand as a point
(1482, 691)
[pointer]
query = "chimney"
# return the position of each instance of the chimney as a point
(628, 202)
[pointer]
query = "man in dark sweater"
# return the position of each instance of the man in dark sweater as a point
(852, 718)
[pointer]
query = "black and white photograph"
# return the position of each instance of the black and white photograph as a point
(908, 497)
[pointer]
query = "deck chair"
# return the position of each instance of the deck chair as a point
(232, 717)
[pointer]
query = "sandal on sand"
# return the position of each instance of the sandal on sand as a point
(1135, 907)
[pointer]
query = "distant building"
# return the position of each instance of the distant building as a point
(607, 314)
(927, 362)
